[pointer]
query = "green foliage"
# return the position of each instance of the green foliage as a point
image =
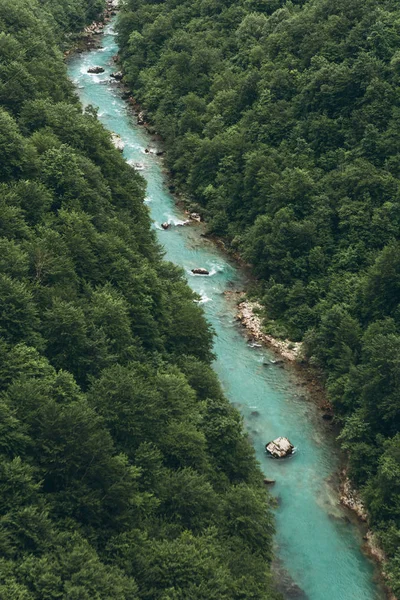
(124, 472)
(281, 122)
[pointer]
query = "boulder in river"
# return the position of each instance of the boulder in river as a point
(165, 225)
(280, 447)
(95, 70)
(117, 76)
(269, 481)
(200, 271)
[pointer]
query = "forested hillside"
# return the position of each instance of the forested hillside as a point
(125, 473)
(282, 122)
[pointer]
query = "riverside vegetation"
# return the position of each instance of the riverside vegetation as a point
(125, 473)
(281, 121)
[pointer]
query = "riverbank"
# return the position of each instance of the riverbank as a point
(351, 499)
(89, 38)
(247, 315)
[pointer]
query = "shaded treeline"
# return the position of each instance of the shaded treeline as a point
(124, 471)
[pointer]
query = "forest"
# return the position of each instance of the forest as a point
(125, 473)
(282, 126)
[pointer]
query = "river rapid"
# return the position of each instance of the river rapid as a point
(318, 544)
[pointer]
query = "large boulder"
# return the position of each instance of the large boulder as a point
(165, 225)
(118, 76)
(200, 271)
(95, 70)
(280, 447)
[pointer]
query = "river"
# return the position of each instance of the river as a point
(317, 543)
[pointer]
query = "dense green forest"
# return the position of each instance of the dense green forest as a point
(282, 123)
(125, 473)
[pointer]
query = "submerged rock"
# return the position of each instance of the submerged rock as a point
(200, 271)
(280, 447)
(95, 70)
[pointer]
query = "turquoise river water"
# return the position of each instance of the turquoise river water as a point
(318, 545)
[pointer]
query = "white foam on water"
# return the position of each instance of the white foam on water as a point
(172, 220)
(136, 165)
(203, 298)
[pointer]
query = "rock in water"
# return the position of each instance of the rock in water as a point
(280, 447)
(165, 225)
(95, 70)
(200, 271)
(117, 76)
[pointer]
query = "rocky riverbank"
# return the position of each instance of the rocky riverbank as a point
(89, 38)
(350, 497)
(248, 317)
